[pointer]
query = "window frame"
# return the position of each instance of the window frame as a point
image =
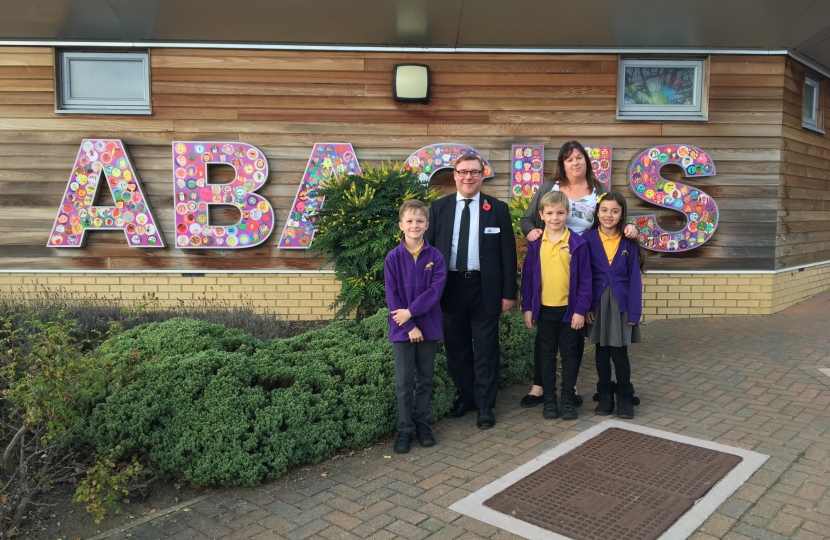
(68, 105)
(697, 112)
(818, 84)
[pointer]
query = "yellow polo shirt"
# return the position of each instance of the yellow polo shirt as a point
(611, 245)
(556, 270)
(416, 252)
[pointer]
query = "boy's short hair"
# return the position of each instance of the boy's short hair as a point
(413, 205)
(552, 198)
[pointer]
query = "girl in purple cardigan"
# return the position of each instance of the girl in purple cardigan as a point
(616, 303)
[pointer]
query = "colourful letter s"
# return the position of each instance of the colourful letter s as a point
(697, 206)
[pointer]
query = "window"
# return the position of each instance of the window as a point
(104, 83)
(812, 112)
(662, 90)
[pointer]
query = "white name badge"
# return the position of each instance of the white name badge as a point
(492, 230)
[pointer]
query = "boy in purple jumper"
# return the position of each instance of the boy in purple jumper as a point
(556, 294)
(414, 274)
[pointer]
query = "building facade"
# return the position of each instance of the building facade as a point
(770, 249)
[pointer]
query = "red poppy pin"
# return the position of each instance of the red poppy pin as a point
(485, 206)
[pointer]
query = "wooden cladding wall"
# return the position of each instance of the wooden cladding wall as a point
(804, 202)
(283, 102)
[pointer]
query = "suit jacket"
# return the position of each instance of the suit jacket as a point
(497, 251)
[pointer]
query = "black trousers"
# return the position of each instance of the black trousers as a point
(471, 341)
(554, 336)
(414, 360)
(537, 363)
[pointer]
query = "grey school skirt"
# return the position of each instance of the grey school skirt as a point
(610, 326)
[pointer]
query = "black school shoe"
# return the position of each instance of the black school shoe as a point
(530, 401)
(486, 419)
(568, 409)
(424, 434)
(459, 409)
(550, 411)
(403, 443)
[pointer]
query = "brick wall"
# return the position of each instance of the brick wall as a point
(791, 286)
(669, 296)
(308, 295)
(291, 295)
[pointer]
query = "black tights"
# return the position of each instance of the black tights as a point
(605, 354)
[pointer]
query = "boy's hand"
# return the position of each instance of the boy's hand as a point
(630, 231)
(400, 316)
(578, 321)
(415, 335)
(528, 320)
(589, 318)
(534, 235)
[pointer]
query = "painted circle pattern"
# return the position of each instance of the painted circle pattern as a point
(429, 159)
(326, 159)
(193, 195)
(698, 207)
(105, 158)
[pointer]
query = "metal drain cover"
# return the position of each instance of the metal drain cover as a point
(619, 485)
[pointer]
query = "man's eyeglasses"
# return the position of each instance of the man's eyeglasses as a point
(473, 173)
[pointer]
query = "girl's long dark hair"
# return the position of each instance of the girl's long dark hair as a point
(565, 152)
(617, 197)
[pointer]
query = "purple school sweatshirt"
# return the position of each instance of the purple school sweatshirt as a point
(623, 274)
(579, 291)
(416, 286)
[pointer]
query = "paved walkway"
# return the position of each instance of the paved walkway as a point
(750, 382)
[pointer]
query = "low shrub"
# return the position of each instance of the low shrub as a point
(93, 316)
(219, 407)
(50, 382)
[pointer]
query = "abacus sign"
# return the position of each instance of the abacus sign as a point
(194, 193)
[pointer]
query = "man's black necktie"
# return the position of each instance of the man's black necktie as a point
(463, 238)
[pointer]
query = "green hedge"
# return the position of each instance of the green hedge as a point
(220, 407)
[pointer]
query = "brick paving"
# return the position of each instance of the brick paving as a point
(750, 382)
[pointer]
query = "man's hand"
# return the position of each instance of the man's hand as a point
(528, 319)
(589, 318)
(578, 321)
(630, 231)
(415, 335)
(535, 234)
(400, 316)
(506, 305)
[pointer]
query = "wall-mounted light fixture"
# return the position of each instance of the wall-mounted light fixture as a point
(411, 83)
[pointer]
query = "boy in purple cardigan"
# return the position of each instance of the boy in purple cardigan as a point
(414, 273)
(556, 294)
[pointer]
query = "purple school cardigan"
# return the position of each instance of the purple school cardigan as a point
(417, 286)
(623, 274)
(579, 291)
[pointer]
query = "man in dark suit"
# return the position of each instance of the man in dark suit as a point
(474, 234)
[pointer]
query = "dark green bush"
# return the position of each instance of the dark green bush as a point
(219, 407)
(516, 343)
(179, 337)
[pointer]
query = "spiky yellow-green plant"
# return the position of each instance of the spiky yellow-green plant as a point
(358, 226)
